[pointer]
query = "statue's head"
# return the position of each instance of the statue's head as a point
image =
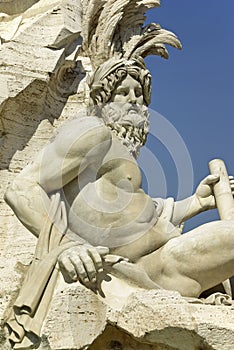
(120, 92)
(107, 80)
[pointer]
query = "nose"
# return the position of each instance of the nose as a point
(132, 98)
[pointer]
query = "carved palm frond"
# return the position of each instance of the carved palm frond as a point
(91, 12)
(111, 16)
(151, 42)
(114, 28)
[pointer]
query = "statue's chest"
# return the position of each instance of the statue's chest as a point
(120, 169)
(118, 173)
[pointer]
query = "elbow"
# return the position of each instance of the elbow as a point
(13, 193)
(10, 195)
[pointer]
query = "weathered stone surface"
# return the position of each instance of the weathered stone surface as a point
(39, 77)
(149, 320)
(12, 7)
(157, 319)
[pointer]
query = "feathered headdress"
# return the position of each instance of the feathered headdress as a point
(114, 29)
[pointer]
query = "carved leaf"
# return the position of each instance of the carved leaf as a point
(151, 42)
(110, 18)
(114, 28)
(91, 13)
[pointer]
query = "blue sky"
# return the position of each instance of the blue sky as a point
(194, 91)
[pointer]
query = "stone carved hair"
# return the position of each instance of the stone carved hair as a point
(116, 41)
(110, 74)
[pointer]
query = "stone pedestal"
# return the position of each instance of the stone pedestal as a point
(147, 320)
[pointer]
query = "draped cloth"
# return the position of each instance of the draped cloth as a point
(31, 306)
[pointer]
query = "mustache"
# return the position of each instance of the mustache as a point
(128, 107)
(121, 113)
(133, 107)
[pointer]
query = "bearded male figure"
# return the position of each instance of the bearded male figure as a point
(92, 162)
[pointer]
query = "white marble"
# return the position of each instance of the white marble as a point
(81, 193)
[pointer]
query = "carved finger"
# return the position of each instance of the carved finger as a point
(103, 250)
(79, 268)
(89, 266)
(113, 259)
(210, 179)
(68, 270)
(232, 188)
(232, 184)
(97, 260)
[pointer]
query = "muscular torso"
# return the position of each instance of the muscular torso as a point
(107, 205)
(101, 183)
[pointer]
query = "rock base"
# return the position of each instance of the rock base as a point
(147, 320)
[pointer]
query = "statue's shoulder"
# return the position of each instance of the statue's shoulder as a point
(80, 126)
(81, 133)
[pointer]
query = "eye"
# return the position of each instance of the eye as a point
(122, 92)
(138, 92)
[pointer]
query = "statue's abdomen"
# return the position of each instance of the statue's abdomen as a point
(105, 214)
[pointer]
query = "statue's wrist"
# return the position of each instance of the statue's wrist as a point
(199, 203)
(202, 203)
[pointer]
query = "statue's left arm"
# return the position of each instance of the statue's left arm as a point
(203, 199)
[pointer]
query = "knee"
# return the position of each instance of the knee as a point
(224, 229)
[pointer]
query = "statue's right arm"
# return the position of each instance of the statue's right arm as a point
(79, 144)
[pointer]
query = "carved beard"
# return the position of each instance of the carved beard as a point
(129, 122)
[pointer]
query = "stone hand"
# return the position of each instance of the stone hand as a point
(82, 263)
(231, 181)
(204, 192)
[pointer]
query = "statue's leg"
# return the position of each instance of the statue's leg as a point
(195, 261)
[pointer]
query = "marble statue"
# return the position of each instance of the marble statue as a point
(87, 183)
(93, 161)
